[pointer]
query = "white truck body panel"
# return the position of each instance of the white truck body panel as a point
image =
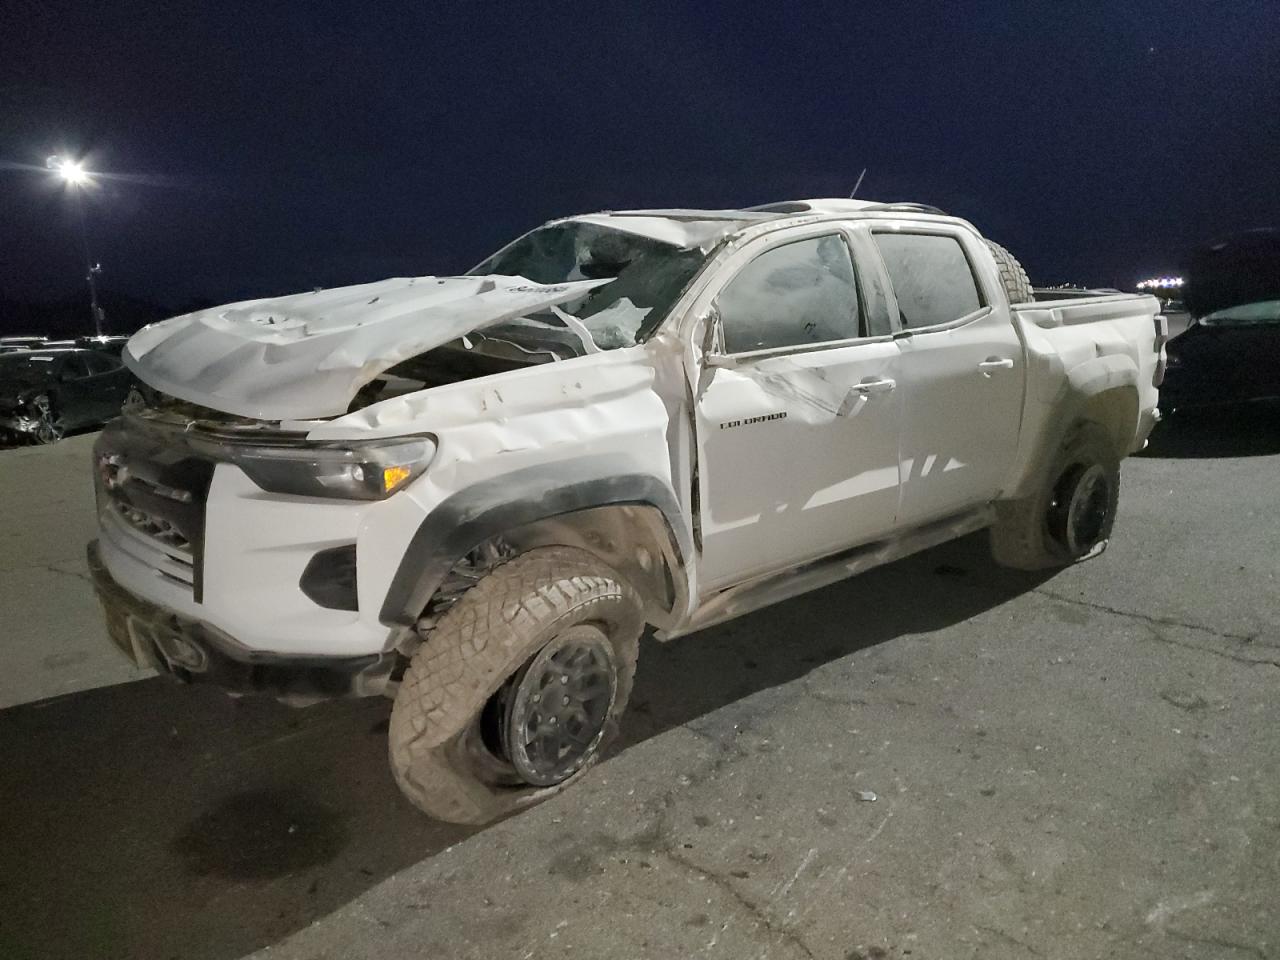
(795, 454)
(794, 462)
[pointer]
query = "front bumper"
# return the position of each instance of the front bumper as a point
(195, 652)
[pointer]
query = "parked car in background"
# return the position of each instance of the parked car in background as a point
(106, 343)
(15, 344)
(1230, 351)
(46, 393)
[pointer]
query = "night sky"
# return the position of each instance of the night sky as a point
(267, 148)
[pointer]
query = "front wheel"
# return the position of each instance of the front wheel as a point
(518, 689)
(1071, 513)
(49, 427)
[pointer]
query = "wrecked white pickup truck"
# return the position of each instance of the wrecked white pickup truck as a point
(472, 493)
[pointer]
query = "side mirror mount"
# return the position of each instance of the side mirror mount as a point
(712, 355)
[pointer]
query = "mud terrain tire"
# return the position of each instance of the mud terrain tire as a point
(49, 427)
(439, 754)
(1072, 511)
(1017, 285)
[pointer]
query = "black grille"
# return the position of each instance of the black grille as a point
(152, 526)
(151, 481)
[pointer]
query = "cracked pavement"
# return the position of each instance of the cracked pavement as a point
(938, 759)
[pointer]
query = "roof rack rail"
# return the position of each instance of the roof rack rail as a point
(782, 206)
(908, 208)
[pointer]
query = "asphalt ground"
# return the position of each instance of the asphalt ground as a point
(938, 759)
(52, 639)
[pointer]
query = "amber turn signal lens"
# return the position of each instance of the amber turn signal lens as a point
(392, 477)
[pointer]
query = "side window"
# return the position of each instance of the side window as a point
(802, 292)
(100, 363)
(73, 367)
(931, 278)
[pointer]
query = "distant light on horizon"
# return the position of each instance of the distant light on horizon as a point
(1160, 283)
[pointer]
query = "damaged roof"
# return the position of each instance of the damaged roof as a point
(305, 356)
(687, 229)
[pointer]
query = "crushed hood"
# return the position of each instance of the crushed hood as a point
(306, 355)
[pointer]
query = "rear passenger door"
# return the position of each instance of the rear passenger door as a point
(76, 403)
(797, 408)
(962, 370)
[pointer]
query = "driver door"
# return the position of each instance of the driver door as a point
(797, 410)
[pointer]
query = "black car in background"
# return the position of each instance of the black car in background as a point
(1230, 352)
(46, 393)
(104, 343)
(18, 344)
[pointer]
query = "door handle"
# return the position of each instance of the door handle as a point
(871, 386)
(991, 364)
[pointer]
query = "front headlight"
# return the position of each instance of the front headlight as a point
(362, 471)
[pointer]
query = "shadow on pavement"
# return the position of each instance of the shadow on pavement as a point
(687, 678)
(1244, 430)
(155, 820)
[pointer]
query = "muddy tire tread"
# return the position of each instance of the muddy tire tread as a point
(494, 628)
(1017, 285)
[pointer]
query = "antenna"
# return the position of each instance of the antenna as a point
(858, 184)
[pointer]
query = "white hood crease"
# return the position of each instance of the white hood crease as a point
(306, 355)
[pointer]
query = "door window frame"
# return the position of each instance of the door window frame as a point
(109, 364)
(963, 239)
(740, 259)
(68, 364)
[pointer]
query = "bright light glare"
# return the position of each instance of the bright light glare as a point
(73, 173)
(69, 170)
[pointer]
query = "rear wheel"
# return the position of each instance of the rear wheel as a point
(1072, 512)
(518, 689)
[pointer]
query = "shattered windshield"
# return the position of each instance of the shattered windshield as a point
(647, 278)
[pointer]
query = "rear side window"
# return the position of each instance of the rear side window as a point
(73, 367)
(800, 293)
(100, 363)
(931, 277)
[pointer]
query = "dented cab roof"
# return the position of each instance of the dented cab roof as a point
(305, 356)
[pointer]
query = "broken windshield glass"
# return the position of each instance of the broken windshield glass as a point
(647, 278)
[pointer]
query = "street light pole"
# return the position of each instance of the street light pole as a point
(93, 268)
(76, 178)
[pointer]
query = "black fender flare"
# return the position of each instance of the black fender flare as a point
(485, 510)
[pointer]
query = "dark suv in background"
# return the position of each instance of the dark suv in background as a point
(45, 394)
